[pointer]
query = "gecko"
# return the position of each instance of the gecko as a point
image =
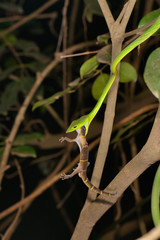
(81, 169)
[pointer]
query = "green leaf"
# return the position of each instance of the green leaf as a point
(127, 73)
(149, 17)
(104, 55)
(103, 38)
(23, 139)
(57, 95)
(47, 101)
(98, 86)
(152, 73)
(89, 67)
(24, 151)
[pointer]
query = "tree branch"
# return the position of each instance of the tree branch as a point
(127, 14)
(107, 13)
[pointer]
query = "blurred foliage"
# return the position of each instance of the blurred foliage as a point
(152, 73)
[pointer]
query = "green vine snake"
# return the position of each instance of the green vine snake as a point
(87, 119)
(155, 207)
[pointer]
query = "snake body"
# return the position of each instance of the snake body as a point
(87, 119)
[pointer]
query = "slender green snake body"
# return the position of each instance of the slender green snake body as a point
(87, 119)
(155, 205)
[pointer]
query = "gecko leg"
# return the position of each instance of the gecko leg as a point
(76, 170)
(62, 139)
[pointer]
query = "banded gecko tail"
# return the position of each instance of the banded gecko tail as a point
(88, 183)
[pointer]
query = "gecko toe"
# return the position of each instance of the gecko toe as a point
(63, 176)
(61, 139)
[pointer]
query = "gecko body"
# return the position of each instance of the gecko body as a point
(81, 169)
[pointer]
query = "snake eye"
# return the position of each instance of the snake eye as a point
(75, 126)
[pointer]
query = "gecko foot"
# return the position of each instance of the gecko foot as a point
(62, 139)
(64, 176)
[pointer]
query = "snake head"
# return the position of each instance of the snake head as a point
(82, 121)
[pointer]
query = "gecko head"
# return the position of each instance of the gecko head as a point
(82, 121)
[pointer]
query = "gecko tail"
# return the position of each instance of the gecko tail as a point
(110, 192)
(101, 192)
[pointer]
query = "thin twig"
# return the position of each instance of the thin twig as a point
(127, 14)
(18, 17)
(72, 21)
(64, 64)
(140, 30)
(79, 54)
(122, 13)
